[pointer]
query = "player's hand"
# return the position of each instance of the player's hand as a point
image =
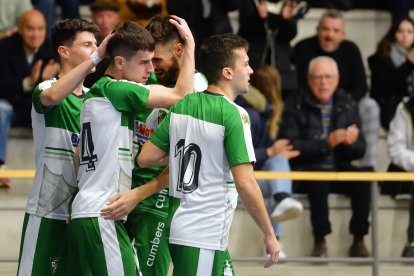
(119, 205)
(102, 47)
(272, 249)
(183, 29)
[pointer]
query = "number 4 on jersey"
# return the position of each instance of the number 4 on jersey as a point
(189, 166)
(87, 157)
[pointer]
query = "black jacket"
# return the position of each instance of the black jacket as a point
(302, 125)
(347, 56)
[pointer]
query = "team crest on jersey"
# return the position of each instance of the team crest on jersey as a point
(245, 118)
(54, 265)
(161, 115)
(75, 139)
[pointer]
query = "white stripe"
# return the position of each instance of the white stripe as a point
(227, 270)
(205, 262)
(113, 256)
(29, 245)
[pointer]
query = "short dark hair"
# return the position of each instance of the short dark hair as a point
(64, 32)
(162, 30)
(217, 52)
(129, 37)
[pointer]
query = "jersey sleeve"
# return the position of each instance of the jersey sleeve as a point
(128, 96)
(237, 137)
(161, 136)
(37, 104)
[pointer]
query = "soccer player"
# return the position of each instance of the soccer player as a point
(55, 120)
(210, 150)
(106, 149)
(148, 224)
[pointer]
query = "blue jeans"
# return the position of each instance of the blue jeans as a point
(270, 187)
(6, 113)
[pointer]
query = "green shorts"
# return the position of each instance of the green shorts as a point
(43, 246)
(149, 234)
(192, 261)
(100, 247)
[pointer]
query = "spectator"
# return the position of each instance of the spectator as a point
(10, 11)
(69, 10)
(392, 69)
(330, 41)
(205, 17)
(141, 10)
(105, 14)
(401, 152)
(26, 57)
(324, 125)
(269, 35)
(272, 154)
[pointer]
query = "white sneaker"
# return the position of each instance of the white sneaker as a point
(288, 208)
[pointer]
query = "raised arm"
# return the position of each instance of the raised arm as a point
(161, 96)
(70, 81)
(252, 199)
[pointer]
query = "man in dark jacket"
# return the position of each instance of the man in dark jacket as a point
(330, 41)
(26, 58)
(324, 125)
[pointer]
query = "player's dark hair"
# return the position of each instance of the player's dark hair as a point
(64, 32)
(129, 37)
(217, 52)
(162, 30)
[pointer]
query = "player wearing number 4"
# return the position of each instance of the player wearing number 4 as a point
(210, 150)
(55, 119)
(148, 224)
(107, 120)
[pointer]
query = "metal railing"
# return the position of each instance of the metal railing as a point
(374, 260)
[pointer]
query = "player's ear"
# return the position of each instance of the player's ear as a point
(119, 62)
(63, 51)
(227, 73)
(178, 49)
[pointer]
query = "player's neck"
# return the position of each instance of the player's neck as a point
(222, 90)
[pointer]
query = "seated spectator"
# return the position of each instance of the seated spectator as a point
(26, 58)
(401, 151)
(272, 154)
(392, 69)
(330, 41)
(324, 126)
(105, 14)
(10, 11)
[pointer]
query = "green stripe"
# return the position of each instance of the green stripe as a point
(59, 153)
(123, 149)
(58, 158)
(124, 154)
(59, 149)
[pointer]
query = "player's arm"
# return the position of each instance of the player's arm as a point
(68, 83)
(161, 96)
(122, 203)
(152, 156)
(252, 199)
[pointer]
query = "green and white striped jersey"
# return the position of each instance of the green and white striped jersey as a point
(55, 134)
(107, 120)
(205, 135)
(144, 126)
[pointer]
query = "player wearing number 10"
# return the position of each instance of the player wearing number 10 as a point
(208, 140)
(107, 117)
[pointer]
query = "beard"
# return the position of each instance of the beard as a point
(169, 77)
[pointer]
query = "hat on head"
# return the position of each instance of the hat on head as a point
(103, 5)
